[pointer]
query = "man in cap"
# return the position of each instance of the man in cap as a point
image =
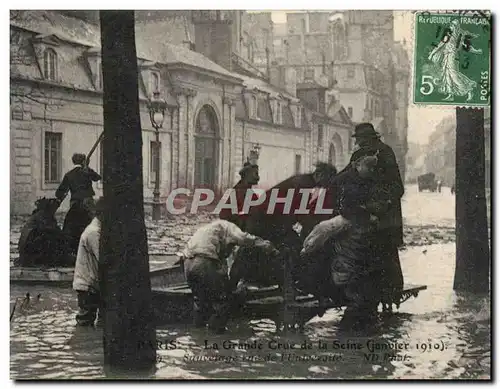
(249, 177)
(206, 269)
(78, 181)
(390, 186)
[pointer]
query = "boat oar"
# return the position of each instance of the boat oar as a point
(13, 309)
(93, 148)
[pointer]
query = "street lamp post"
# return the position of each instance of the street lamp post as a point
(254, 153)
(157, 107)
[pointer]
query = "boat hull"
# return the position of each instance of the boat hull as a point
(172, 298)
(164, 270)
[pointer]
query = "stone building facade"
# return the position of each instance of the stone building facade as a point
(210, 127)
(354, 55)
(440, 156)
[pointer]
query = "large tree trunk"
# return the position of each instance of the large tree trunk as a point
(473, 254)
(129, 333)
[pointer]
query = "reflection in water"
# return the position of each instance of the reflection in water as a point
(438, 335)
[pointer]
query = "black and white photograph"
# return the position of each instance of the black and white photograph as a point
(250, 195)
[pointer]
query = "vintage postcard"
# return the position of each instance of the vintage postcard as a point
(250, 195)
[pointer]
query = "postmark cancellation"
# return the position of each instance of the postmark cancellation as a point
(452, 56)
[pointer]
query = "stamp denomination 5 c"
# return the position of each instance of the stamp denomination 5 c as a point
(452, 59)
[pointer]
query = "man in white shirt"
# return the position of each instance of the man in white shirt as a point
(86, 276)
(207, 272)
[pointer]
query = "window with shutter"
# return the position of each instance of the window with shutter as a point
(320, 135)
(155, 82)
(351, 71)
(298, 163)
(50, 64)
(53, 157)
(309, 74)
(155, 161)
(98, 75)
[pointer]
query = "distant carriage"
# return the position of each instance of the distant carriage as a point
(427, 181)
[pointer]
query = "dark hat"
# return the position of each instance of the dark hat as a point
(365, 130)
(246, 167)
(325, 167)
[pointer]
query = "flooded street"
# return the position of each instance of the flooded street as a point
(438, 335)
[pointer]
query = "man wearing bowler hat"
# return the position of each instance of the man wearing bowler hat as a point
(390, 186)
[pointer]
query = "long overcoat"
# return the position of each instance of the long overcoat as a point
(388, 179)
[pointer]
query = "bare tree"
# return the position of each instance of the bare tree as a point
(129, 332)
(473, 253)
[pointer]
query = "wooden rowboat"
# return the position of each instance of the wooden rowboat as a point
(164, 270)
(173, 300)
(176, 302)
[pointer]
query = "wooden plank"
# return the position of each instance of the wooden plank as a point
(299, 300)
(163, 268)
(162, 261)
(414, 288)
(254, 293)
(173, 303)
(42, 275)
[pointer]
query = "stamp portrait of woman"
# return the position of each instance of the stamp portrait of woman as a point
(447, 75)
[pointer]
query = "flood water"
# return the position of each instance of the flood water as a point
(439, 335)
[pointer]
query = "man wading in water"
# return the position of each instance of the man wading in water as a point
(388, 187)
(207, 271)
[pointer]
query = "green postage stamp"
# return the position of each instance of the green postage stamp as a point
(452, 58)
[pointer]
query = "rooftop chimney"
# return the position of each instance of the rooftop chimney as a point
(213, 36)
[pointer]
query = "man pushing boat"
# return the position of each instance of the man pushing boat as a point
(206, 269)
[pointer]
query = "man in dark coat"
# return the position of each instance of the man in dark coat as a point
(351, 245)
(390, 186)
(249, 177)
(42, 243)
(78, 182)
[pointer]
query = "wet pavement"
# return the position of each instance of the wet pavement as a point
(442, 335)
(165, 236)
(439, 335)
(428, 218)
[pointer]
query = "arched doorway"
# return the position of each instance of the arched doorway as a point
(336, 152)
(206, 133)
(332, 154)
